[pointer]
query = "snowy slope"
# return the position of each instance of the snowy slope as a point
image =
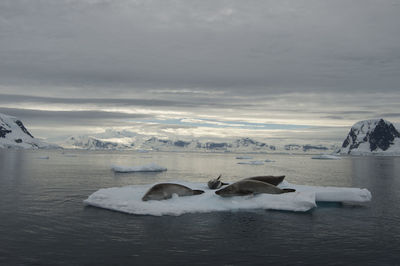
(376, 136)
(13, 134)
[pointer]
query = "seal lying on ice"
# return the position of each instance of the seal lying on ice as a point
(164, 191)
(247, 187)
(273, 180)
(216, 183)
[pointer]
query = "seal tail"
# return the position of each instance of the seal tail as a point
(197, 192)
(287, 190)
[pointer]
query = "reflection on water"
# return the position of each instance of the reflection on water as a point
(43, 220)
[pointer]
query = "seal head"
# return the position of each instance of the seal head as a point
(216, 183)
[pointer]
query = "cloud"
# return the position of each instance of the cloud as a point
(100, 62)
(233, 46)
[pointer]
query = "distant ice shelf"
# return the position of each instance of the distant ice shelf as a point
(128, 199)
(152, 167)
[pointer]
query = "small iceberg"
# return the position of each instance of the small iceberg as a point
(252, 162)
(326, 157)
(244, 157)
(332, 194)
(128, 199)
(152, 167)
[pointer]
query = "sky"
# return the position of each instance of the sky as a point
(281, 70)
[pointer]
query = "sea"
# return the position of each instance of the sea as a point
(43, 220)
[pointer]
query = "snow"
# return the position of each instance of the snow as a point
(252, 163)
(152, 167)
(244, 157)
(326, 157)
(128, 199)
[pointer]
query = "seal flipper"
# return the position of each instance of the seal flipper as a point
(197, 192)
(287, 190)
(224, 184)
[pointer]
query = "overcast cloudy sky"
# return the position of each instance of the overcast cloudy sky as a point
(267, 69)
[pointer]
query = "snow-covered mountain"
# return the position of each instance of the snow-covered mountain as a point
(129, 140)
(376, 136)
(92, 143)
(13, 134)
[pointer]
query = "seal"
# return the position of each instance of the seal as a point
(247, 187)
(164, 191)
(216, 183)
(273, 180)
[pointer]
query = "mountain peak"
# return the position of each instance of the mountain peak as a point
(373, 136)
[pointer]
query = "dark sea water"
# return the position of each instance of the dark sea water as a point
(44, 222)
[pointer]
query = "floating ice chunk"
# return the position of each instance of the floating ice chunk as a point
(252, 162)
(269, 161)
(244, 157)
(326, 157)
(43, 157)
(152, 167)
(128, 199)
(332, 194)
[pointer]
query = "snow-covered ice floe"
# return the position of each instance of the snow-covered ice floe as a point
(252, 162)
(244, 157)
(326, 157)
(152, 167)
(128, 199)
(332, 194)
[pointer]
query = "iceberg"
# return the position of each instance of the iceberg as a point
(252, 162)
(128, 199)
(152, 167)
(326, 157)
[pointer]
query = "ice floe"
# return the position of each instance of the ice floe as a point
(151, 167)
(332, 194)
(326, 157)
(252, 162)
(128, 199)
(244, 157)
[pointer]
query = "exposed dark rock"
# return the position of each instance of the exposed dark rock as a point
(23, 128)
(4, 132)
